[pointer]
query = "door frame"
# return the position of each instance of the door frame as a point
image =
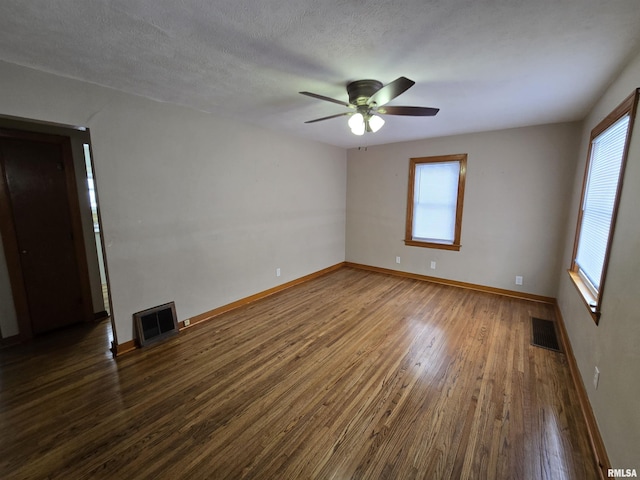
(9, 236)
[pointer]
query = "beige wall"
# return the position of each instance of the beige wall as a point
(514, 206)
(196, 209)
(614, 345)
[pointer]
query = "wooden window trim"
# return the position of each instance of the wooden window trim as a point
(594, 302)
(408, 239)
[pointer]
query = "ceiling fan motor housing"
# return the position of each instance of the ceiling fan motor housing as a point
(370, 97)
(360, 91)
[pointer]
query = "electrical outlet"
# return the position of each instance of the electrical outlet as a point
(187, 322)
(277, 272)
(433, 265)
(397, 259)
(596, 377)
(518, 280)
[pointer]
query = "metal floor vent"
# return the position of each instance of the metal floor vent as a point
(157, 323)
(543, 334)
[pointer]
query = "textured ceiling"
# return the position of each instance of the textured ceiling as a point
(487, 64)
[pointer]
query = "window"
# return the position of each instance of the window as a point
(599, 202)
(434, 202)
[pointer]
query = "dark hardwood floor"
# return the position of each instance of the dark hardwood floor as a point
(351, 375)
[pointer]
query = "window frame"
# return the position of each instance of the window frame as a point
(593, 298)
(413, 162)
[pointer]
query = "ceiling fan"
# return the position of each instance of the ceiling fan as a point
(367, 100)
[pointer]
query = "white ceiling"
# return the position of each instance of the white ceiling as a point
(487, 64)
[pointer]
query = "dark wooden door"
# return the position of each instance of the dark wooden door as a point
(38, 190)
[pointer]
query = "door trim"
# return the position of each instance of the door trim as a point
(9, 237)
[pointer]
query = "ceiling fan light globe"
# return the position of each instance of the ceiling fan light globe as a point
(376, 123)
(358, 130)
(356, 124)
(356, 120)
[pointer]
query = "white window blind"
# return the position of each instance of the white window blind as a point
(434, 203)
(599, 200)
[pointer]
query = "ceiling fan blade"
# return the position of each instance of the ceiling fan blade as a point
(328, 99)
(410, 111)
(391, 91)
(327, 118)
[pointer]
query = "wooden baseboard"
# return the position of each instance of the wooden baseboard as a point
(455, 283)
(126, 347)
(10, 341)
(122, 348)
(597, 445)
(97, 316)
(253, 298)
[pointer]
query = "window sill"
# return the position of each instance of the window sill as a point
(441, 246)
(589, 300)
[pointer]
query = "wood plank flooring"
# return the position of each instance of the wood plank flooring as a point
(354, 375)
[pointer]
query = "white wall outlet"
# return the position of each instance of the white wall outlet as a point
(187, 322)
(277, 272)
(397, 259)
(596, 377)
(518, 280)
(433, 265)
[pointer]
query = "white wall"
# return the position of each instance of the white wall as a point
(613, 345)
(514, 206)
(196, 209)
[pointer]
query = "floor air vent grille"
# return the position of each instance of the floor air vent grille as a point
(157, 323)
(543, 334)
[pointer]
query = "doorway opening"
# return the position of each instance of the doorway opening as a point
(53, 271)
(93, 201)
